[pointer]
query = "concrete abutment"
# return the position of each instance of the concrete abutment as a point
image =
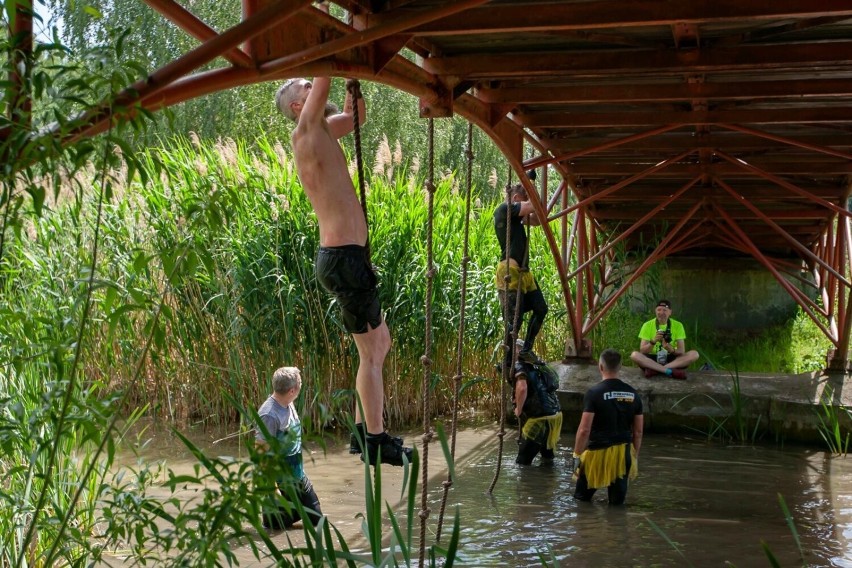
(764, 407)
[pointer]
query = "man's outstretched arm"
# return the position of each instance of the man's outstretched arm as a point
(520, 393)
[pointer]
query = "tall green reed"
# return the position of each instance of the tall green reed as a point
(830, 416)
(727, 421)
(247, 301)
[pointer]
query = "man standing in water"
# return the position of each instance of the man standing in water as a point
(342, 265)
(609, 435)
(537, 409)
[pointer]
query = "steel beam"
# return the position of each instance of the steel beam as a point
(550, 16)
(794, 292)
(620, 185)
(188, 22)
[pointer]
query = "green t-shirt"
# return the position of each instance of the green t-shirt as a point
(649, 330)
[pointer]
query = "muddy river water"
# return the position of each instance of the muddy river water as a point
(694, 504)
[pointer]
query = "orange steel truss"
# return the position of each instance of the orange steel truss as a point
(725, 127)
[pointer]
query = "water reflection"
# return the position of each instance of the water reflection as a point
(694, 504)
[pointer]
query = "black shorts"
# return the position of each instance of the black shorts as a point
(669, 358)
(345, 272)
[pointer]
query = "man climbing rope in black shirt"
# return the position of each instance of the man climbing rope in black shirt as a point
(518, 212)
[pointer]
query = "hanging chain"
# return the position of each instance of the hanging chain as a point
(426, 358)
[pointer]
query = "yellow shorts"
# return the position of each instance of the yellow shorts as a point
(525, 278)
(544, 430)
(603, 467)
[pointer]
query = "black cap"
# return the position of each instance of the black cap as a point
(664, 303)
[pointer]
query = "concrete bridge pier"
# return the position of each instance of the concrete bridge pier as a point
(758, 406)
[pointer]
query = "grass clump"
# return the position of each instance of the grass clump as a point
(830, 416)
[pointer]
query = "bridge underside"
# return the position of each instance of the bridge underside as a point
(716, 129)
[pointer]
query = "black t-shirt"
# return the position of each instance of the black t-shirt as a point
(518, 249)
(614, 403)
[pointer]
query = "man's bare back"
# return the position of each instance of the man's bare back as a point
(323, 170)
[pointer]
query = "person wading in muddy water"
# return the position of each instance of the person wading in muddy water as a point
(343, 265)
(609, 436)
(281, 421)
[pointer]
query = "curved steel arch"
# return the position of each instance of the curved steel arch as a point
(601, 95)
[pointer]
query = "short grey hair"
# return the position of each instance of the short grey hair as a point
(285, 96)
(285, 379)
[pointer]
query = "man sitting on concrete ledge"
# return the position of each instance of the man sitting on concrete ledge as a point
(662, 350)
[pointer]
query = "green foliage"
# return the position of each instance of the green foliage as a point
(180, 277)
(213, 257)
(797, 346)
(154, 529)
(147, 36)
(830, 416)
(53, 464)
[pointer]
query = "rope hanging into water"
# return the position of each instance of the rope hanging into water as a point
(511, 337)
(516, 319)
(354, 88)
(426, 358)
(457, 379)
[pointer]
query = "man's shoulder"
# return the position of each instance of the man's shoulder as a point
(523, 369)
(266, 406)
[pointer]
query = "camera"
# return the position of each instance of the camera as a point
(667, 335)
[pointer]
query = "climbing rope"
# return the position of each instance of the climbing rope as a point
(426, 358)
(507, 336)
(354, 88)
(457, 378)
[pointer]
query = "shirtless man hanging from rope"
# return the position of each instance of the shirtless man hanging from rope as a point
(343, 267)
